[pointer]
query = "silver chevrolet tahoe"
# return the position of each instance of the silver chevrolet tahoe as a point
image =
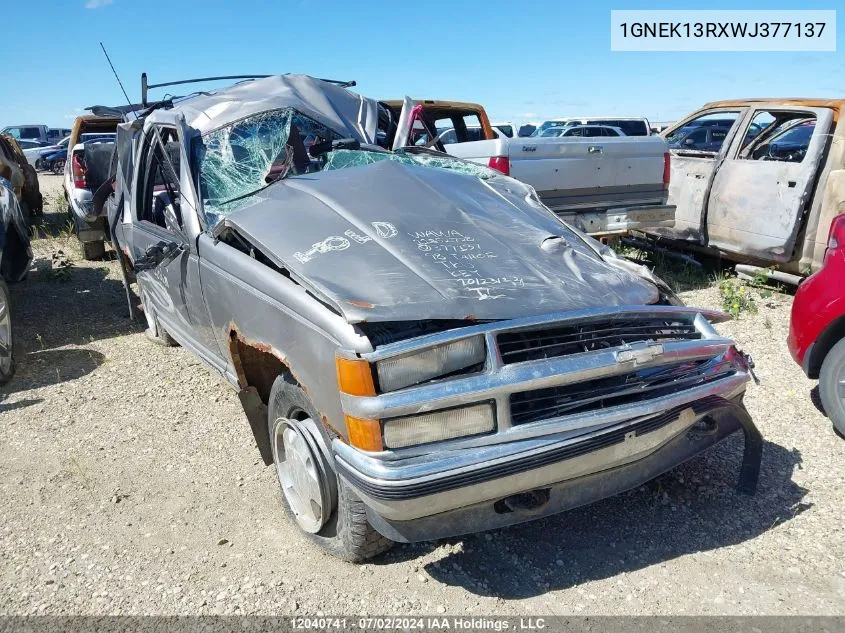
(420, 346)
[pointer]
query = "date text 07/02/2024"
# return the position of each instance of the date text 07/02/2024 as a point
(321, 623)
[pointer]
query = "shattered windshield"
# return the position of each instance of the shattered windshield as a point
(243, 158)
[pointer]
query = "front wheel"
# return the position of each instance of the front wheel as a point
(320, 503)
(832, 386)
(7, 348)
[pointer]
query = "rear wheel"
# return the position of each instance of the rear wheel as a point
(832, 385)
(7, 348)
(318, 501)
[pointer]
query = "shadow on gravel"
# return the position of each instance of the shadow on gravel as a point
(43, 368)
(74, 307)
(693, 508)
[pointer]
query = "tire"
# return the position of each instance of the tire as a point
(345, 533)
(832, 393)
(7, 341)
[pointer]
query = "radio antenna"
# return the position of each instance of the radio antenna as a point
(119, 83)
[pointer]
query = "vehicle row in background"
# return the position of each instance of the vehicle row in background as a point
(35, 133)
(629, 126)
(604, 186)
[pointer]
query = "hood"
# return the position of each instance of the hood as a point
(395, 242)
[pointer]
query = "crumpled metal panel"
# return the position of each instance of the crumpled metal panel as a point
(337, 108)
(390, 241)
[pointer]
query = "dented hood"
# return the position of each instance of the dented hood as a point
(395, 242)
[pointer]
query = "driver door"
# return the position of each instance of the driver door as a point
(759, 195)
(162, 243)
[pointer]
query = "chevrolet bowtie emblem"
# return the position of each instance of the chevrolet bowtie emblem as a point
(639, 355)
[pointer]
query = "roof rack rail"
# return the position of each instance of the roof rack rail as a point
(145, 86)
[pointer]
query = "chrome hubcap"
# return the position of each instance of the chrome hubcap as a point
(300, 476)
(5, 334)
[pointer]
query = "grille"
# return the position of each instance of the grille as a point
(590, 395)
(517, 347)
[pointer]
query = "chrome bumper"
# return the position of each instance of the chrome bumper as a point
(420, 483)
(724, 418)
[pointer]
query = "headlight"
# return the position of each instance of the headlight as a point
(439, 425)
(403, 371)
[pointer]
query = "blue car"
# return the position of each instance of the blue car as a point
(53, 161)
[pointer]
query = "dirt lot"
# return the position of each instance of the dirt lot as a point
(130, 484)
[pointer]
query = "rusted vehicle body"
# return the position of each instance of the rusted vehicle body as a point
(766, 192)
(24, 178)
(421, 347)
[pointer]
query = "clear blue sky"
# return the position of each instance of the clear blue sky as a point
(525, 60)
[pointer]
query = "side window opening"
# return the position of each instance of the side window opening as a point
(779, 136)
(455, 128)
(446, 130)
(693, 135)
(161, 193)
(472, 125)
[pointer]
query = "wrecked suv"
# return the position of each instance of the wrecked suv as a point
(420, 346)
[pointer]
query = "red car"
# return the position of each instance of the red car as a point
(817, 328)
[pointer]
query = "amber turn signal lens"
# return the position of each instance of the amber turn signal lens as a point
(355, 377)
(364, 434)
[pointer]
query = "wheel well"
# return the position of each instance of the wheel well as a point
(830, 337)
(255, 364)
(256, 367)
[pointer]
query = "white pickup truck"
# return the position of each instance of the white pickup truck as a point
(604, 186)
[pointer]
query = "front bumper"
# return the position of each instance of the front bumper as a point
(562, 476)
(477, 483)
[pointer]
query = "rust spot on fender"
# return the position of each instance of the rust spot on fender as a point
(361, 304)
(258, 364)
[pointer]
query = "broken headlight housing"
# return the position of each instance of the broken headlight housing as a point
(433, 362)
(439, 425)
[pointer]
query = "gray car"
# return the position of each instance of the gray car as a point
(421, 347)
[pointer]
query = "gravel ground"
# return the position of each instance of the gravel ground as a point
(131, 485)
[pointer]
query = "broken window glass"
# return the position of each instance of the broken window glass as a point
(236, 160)
(342, 159)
